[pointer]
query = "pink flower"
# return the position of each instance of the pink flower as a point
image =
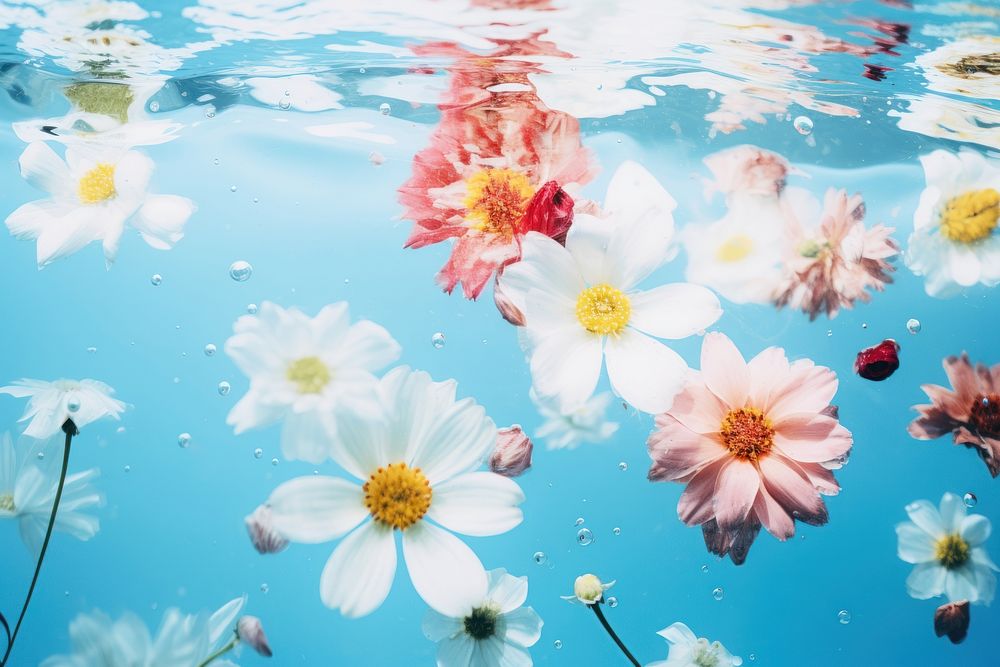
(265, 538)
(512, 455)
(747, 169)
(754, 442)
(952, 619)
(970, 411)
(251, 632)
(834, 264)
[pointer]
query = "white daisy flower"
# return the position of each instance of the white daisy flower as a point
(306, 371)
(965, 66)
(28, 490)
(419, 465)
(93, 194)
(955, 242)
(496, 631)
(584, 424)
(947, 547)
(688, 650)
(581, 305)
(50, 404)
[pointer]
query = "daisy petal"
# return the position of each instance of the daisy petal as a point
(477, 504)
(643, 371)
(677, 310)
(358, 576)
(724, 370)
(443, 569)
(316, 509)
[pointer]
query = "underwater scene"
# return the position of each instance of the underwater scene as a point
(499, 332)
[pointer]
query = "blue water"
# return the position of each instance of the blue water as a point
(321, 223)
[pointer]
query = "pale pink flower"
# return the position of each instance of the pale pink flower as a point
(747, 169)
(265, 538)
(512, 455)
(754, 442)
(251, 632)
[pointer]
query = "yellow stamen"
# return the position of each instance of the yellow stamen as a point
(603, 309)
(734, 248)
(309, 374)
(98, 184)
(952, 551)
(397, 496)
(747, 433)
(7, 502)
(971, 217)
(496, 200)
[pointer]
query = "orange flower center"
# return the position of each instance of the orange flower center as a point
(496, 200)
(984, 416)
(747, 433)
(397, 495)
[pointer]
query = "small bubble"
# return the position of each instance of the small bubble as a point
(232, 188)
(274, 461)
(257, 453)
(829, 333)
(210, 114)
(864, 325)
(73, 404)
(437, 340)
(210, 349)
(264, 588)
(844, 616)
(156, 279)
(704, 568)
(803, 125)
(177, 380)
(154, 106)
(224, 388)
(362, 70)
(216, 162)
(913, 325)
(284, 104)
(539, 557)
(579, 521)
(91, 349)
(718, 593)
(616, 530)
(970, 499)
(41, 455)
(737, 661)
(120, 429)
(240, 271)
(127, 468)
(752, 656)
(184, 439)
(557, 643)
(384, 109)
(584, 537)
(622, 466)
(376, 158)
(252, 308)
(612, 602)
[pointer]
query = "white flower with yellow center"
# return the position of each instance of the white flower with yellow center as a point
(307, 372)
(955, 242)
(418, 463)
(50, 404)
(581, 305)
(584, 424)
(689, 650)
(93, 193)
(947, 547)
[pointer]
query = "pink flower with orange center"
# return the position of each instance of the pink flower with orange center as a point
(755, 442)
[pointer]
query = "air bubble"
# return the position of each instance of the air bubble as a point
(704, 569)
(437, 340)
(216, 162)
(264, 588)
(612, 602)
(718, 593)
(156, 279)
(41, 455)
(224, 388)
(970, 499)
(240, 271)
(91, 350)
(557, 644)
(73, 405)
(539, 557)
(183, 440)
(616, 530)
(844, 616)
(154, 106)
(622, 466)
(210, 350)
(257, 453)
(584, 537)
(803, 125)
(127, 468)
(232, 188)
(252, 308)
(579, 521)
(274, 461)
(284, 104)
(384, 109)
(913, 325)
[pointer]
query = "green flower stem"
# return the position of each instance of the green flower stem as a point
(596, 608)
(69, 428)
(222, 651)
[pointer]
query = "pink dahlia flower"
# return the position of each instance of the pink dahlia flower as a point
(747, 169)
(754, 442)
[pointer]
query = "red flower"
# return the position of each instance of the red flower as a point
(878, 361)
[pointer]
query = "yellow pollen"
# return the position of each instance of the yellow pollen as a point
(7, 502)
(603, 309)
(98, 184)
(496, 200)
(734, 248)
(309, 374)
(397, 496)
(951, 551)
(747, 433)
(971, 217)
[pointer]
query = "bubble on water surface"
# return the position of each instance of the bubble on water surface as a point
(210, 350)
(718, 593)
(913, 325)
(437, 340)
(240, 271)
(844, 616)
(154, 106)
(584, 537)
(156, 279)
(384, 109)
(224, 388)
(184, 439)
(752, 656)
(539, 557)
(970, 499)
(257, 453)
(803, 125)
(557, 643)
(612, 602)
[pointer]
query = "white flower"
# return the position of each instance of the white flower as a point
(955, 242)
(28, 489)
(93, 194)
(495, 631)
(306, 371)
(581, 305)
(183, 640)
(50, 404)
(948, 118)
(687, 650)
(963, 67)
(418, 463)
(588, 589)
(584, 424)
(81, 127)
(946, 546)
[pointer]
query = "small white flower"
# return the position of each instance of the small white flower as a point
(50, 404)
(947, 547)
(495, 631)
(418, 463)
(584, 424)
(307, 371)
(28, 489)
(588, 589)
(688, 650)
(955, 242)
(92, 195)
(582, 308)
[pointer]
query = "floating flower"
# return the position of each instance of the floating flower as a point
(948, 118)
(306, 371)
(418, 465)
(92, 195)
(588, 589)
(747, 171)
(50, 404)
(878, 361)
(260, 527)
(581, 305)
(952, 619)
(688, 650)
(970, 411)
(835, 263)
(584, 424)
(947, 547)
(754, 442)
(969, 67)
(251, 632)
(28, 489)
(512, 455)
(492, 632)
(955, 243)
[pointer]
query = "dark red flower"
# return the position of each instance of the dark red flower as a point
(952, 619)
(879, 361)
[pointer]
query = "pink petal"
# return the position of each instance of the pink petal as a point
(765, 370)
(698, 409)
(724, 370)
(820, 477)
(792, 490)
(736, 542)
(735, 491)
(775, 518)
(806, 388)
(677, 452)
(811, 438)
(695, 505)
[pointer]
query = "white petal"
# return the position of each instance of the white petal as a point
(460, 440)
(926, 517)
(307, 436)
(565, 366)
(438, 626)
(358, 576)
(132, 173)
(223, 619)
(964, 265)
(445, 572)
(456, 652)
(634, 193)
(587, 241)
(477, 504)
(545, 265)
(316, 509)
(644, 372)
(915, 544)
(524, 626)
(678, 634)
(161, 219)
(365, 345)
(952, 512)
(677, 310)
(975, 529)
(507, 591)
(960, 584)
(43, 169)
(926, 581)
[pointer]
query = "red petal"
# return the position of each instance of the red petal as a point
(549, 212)
(878, 362)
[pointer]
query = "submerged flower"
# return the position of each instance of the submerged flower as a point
(955, 242)
(50, 404)
(755, 443)
(494, 631)
(582, 308)
(878, 362)
(835, 263)
(689, 650)
(260, 527)
(251, 632)
(418, 462)
(952, 619)
(747, 170)
(583, 424)
(28, 490)
(306, 372)
(946, 545)
(92, 195)
(970, 411)
(588, 589)
(512, 455)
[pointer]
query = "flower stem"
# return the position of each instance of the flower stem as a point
(221, 652)
(596, 608)
(69, 428)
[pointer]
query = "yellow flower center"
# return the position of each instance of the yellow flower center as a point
(397, 495)
(7, 502)
(98, 184)
(734, 248)
(972, 216)
(603, 309)
(496, 200)
(309, 374)
(747, 433)
(952, 551)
